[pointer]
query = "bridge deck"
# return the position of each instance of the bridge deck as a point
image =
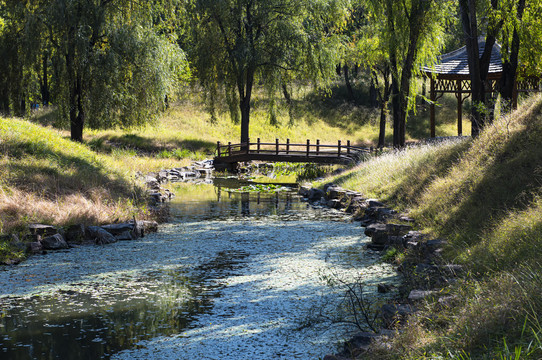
(289, 152)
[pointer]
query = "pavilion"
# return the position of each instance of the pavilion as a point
(451, 75)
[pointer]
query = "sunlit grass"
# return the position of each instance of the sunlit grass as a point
(484, 197)
(46, 178)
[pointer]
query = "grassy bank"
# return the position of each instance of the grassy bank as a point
(45, 178)
(484, 197)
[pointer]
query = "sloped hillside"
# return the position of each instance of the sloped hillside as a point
(46, 178)
(484, 197)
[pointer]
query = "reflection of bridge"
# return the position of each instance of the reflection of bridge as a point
(228, 154)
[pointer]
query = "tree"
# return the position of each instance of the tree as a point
(478, 65)
(235, 43)
(109, 65)
(410, 33)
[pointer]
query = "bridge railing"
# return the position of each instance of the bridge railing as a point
(307, 149)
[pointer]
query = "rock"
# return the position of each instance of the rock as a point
(42, 230)
(432, 245)
(334, 192)
(34, 247)
(389, 229)
(100, 235)
(127, 235)
(416, 295)
(315, 194)
(55, 242)
(380, 237)
(148, 226)
(361, 341)
(406, 219)
(156, 197)
(31, 238)
(392, 313)
(304, 190)
(334, 204)
(371, 229)
(75, 233)
(374, 203)
(327, 186)
(384, 288)
(117, 229)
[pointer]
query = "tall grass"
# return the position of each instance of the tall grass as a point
(46, 178)
(484, 196)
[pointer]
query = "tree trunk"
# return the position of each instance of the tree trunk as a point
(75, 92)
(373, 101)
(382, 132)
(348, 84)
(470, 28)
(510, 66)
(244, 85)
(44, 83)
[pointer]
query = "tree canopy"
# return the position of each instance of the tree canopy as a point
(103, 63)
(111, 63)
(236, 43)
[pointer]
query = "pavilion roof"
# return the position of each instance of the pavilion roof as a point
(456, 62)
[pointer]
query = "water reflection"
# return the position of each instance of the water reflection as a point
(99, 322)
(96, 324)
(224, 200)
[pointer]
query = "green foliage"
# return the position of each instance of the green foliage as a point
(103, 64)
(235, 44)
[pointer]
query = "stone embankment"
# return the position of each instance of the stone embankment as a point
(424, 272)
(41, 238)
(198, 172)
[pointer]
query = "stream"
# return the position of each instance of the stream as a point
(233, 275)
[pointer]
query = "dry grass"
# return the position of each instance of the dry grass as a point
(46, 178)
(484, 196)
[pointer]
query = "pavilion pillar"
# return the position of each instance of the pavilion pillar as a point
(459, 96)
(432, 107)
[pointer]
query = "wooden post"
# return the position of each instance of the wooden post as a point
(277, 146)
(218, 148)
(432, 108)
(229, 148)
(348, 147)
(258, 145)
(459, 96)
(308, 147)
(317, 147)
(339, 148)
(287, 146)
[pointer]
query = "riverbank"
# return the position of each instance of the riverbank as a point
(481, 197)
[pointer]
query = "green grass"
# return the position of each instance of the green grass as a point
(48, 179)
(484, 196)
(328, 116)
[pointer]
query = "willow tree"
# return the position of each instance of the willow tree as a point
(237, 43)
(410, 34)
(109, 64)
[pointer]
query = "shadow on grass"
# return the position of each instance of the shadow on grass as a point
(148, 145)
(510, 183)
(71, 175)
(338, 109)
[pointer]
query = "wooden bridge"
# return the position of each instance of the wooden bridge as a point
(229, 154)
